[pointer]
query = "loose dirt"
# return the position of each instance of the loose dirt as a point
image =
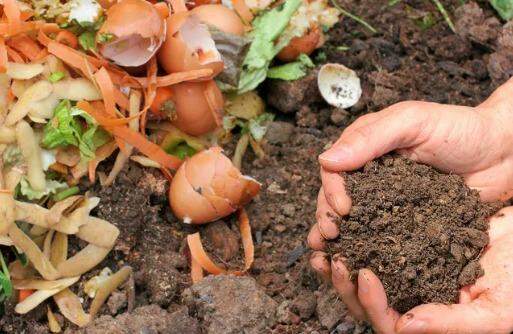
(419, 230)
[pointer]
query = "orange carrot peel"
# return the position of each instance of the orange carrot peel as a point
(134, 138)
(199, 256)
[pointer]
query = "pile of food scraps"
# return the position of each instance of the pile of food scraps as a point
(162, 84)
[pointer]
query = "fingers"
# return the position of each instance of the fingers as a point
(325, 216)
(320, 263)
(346, 289)
(470, 318)
(398, 128)
(374, 301)
(333, 186)
(315, 239)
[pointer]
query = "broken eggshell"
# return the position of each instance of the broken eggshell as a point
(220, 17)
(306, 44)
(339, 85)
(132, 33)
(198, 107)
(208, 187)
(189, 46)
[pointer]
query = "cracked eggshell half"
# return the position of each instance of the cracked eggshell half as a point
(189, 46)
(208, 187)
(135, 31)
(339, 85)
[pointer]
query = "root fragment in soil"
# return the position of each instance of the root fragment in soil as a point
(420, 231)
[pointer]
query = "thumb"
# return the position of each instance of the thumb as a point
(400, 127)
(472, 318)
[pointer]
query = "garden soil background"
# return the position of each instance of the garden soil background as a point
(408, 59)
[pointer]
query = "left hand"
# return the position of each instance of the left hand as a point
(484, 308)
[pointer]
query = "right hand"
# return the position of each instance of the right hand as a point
(474, 142)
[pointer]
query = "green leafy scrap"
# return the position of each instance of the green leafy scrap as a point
(256, 127)
(56, 76)
(6, 288)
(266, 30)
(87, 41)
(291, 71)
(52, 187)
(73, 126)
(504, 8)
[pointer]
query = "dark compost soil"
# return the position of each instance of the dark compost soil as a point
(405, 60)
(420, 231)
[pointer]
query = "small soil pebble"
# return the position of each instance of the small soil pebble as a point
(420, 231)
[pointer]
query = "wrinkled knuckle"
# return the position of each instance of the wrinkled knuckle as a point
(363, 133)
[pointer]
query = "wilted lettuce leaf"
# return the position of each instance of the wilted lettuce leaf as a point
(266, 29)
(72, 126)
(504, 8)
(291, 71)
(52, 187)
(258, 126)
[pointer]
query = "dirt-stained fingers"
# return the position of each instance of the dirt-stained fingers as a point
(333, 186)
(373, 299)
(315, 239)
(325, 218)
(345, 287)
(319, 261)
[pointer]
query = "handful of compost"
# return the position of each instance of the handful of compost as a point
(420, 231)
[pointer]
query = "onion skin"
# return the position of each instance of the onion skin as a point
(305, 44)
(208, 187)
(194, 114)
(221, 17)
(174, 55)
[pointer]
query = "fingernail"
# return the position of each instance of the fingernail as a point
(335, 154)
(414, 326)
(363, 282)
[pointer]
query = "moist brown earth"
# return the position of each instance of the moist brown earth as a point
(403, 61)
(419, 230)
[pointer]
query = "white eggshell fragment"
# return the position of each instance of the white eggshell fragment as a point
(339, 85)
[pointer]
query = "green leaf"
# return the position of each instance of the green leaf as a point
(86, 41)
(61, 195)
(266, 30)
(21, 257)
(182, 151)
(291, 71)
(5, 279)
(504, 8)
(258, 126)
(62, 130)
(67, 128)
(56, 76)
(52, 187)
(105, 37)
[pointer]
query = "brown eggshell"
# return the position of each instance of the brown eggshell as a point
(138, 30)
(305, 44)
(194, 114)
(206, 173)
(221, 17)
(174, 54)
(133, 17)
(186, 203)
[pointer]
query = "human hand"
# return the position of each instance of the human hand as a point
(484, 307)
(474, 142)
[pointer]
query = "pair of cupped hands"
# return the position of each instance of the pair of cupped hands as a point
(474, 142)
